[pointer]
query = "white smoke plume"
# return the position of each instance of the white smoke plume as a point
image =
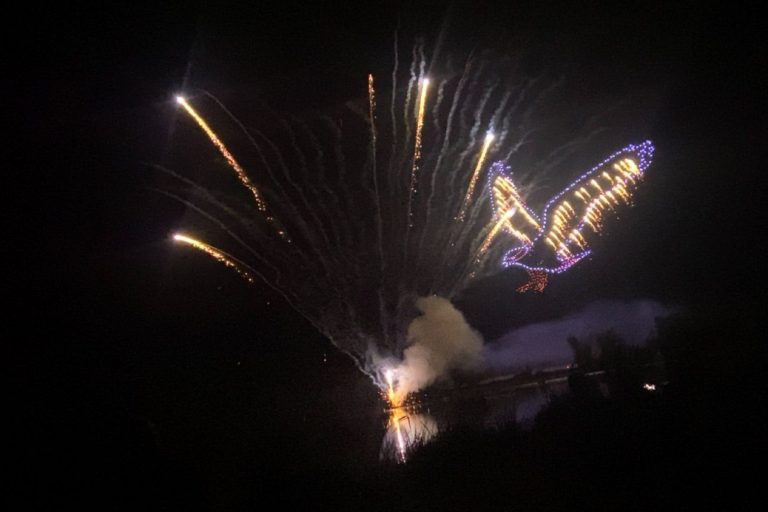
(545, 344)
(439, 340)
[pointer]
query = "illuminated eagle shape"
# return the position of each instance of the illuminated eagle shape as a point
(557, 239)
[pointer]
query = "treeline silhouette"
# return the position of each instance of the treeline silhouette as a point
(609, 443)
(695, 441)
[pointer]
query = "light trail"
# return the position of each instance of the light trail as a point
(216, 254)
(561, 233)
(424, 86)
(242, 176)
(475, 175)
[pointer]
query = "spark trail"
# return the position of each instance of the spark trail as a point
(224, 152)
(475, 175)
(417, 144)
(216, 254)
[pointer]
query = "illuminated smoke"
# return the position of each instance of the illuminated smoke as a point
(439, 341)
(545, 344)
(562, 224)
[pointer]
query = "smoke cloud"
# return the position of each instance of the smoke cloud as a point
(439, 340)
(545, 344)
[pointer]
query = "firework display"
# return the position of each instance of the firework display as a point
(559, 236)
(241, 174)
(375, 210)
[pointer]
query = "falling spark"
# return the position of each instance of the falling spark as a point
(417, 144)
(475, 175)
(216, 254)
(224, 152)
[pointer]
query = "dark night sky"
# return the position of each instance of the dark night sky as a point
(119, 325)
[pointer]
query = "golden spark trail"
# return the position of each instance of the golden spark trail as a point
(475, 175)
(224, 152)
(215, 254)
(420, 122)
(417, 144)
(371, 112)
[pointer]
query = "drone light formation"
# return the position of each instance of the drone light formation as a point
(419, 124)
(569, 217)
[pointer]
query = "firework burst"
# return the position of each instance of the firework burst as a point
(367, 213)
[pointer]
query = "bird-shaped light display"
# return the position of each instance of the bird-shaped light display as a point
(558, 239)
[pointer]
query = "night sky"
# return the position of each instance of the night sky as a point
(127, 342)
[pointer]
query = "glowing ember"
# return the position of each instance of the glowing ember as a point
(417, 144)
